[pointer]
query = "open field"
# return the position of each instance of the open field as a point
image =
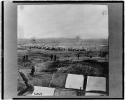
(67, 61)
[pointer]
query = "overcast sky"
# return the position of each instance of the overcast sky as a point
(64, 20)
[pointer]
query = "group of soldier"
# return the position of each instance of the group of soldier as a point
(25, 58)
(53, 57)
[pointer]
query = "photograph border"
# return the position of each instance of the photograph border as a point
(5, 28)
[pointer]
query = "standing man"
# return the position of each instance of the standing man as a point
(78, 55)
(100, 54)
(55, 57)
(32, 70)
(51, 57)
(26, 57)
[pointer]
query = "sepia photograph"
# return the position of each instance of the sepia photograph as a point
(63, 50)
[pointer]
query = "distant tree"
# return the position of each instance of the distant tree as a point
(77, 38)
(33, 40)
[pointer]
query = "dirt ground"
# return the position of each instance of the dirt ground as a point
(66, 62)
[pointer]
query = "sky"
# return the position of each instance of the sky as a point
(63, 20)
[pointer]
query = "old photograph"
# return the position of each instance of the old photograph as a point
(62, 50)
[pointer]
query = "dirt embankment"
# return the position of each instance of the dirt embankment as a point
(65, 63)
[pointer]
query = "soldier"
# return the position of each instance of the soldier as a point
(78, 56)
(55, 57)
(26, 57)
(32, 70)
(51, 57)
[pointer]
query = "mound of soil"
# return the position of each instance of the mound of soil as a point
(88, 67)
